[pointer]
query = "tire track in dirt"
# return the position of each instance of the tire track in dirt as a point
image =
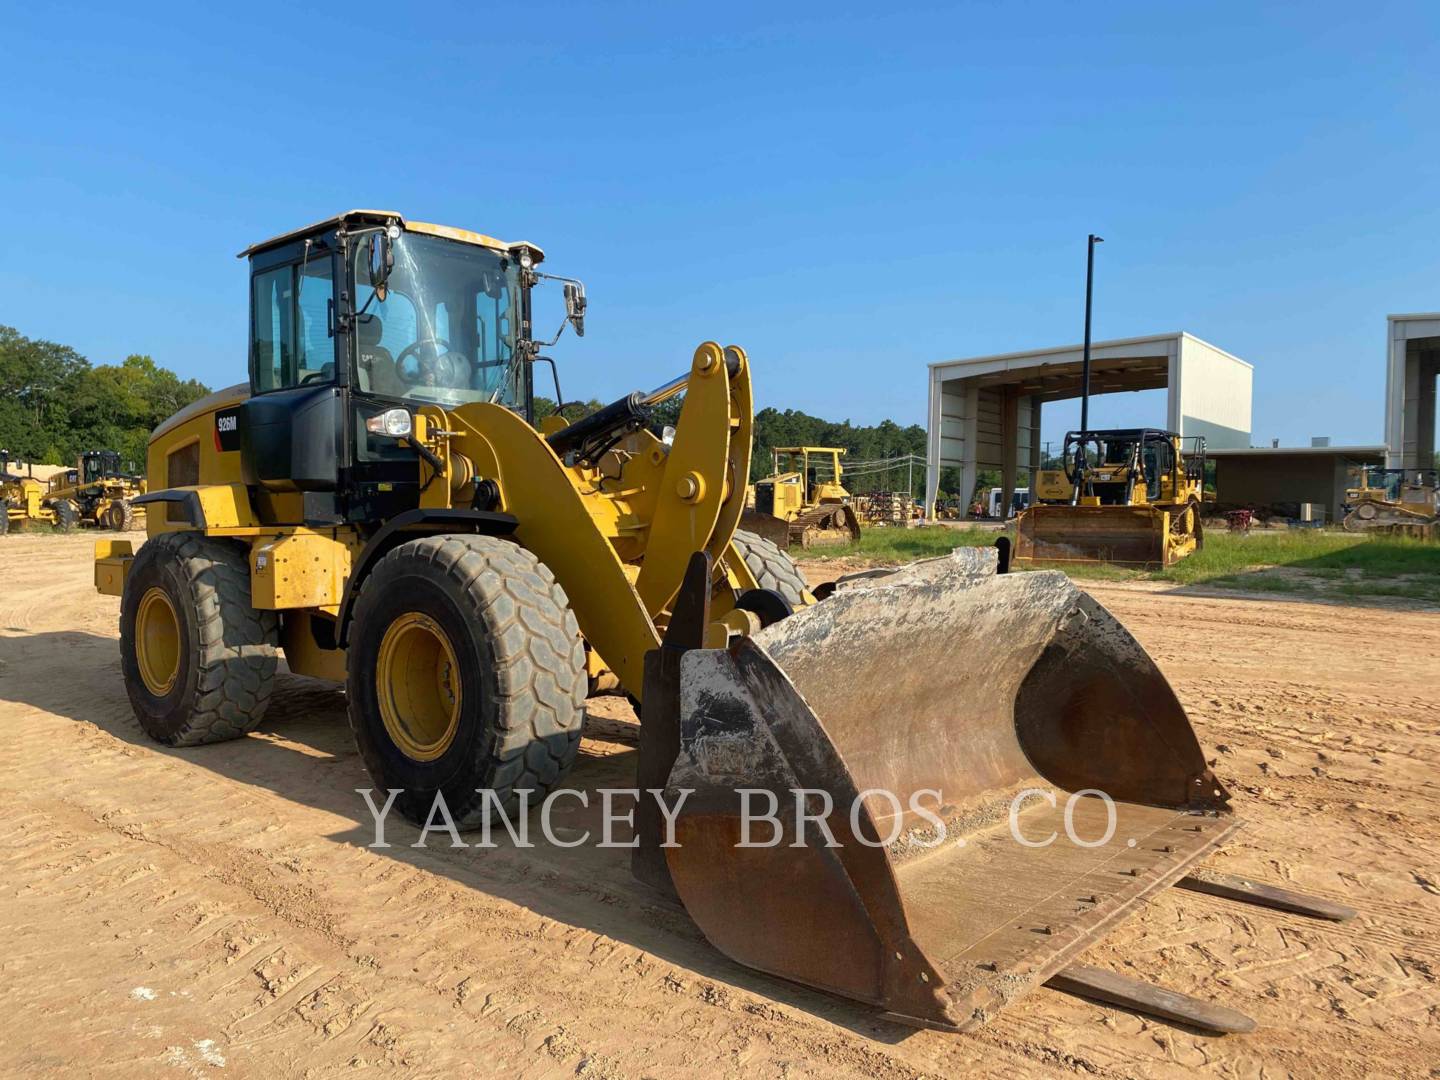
(232, 885)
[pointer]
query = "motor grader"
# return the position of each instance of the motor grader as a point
(24, 496)
(803, 501)
(1130, 497)
(99, 491)
(1397, 501)
(377, 505)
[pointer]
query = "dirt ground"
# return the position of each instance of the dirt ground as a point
(183, 912)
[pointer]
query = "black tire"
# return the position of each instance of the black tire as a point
(521, 664)
(120, 516)
(66, 515)
(4, 518)
(771, 567)
(227, 649)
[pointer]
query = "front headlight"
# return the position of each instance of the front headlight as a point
(393, 422)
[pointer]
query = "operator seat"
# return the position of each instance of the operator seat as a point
(377, 365)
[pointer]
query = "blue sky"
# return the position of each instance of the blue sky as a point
(849, 191)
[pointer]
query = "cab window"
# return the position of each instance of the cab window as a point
(291, 342)
(444, 328)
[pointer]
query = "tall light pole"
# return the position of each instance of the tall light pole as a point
(1081, 465)
(1085, 362)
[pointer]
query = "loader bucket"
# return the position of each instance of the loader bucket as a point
(1146, 536)
(918, 714)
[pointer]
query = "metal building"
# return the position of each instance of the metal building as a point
(1281, 479)
(1413, 364)
(985, 411)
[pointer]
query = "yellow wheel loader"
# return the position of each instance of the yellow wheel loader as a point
(377, 506)
(803, 502)
(99, 492)
(1130, 497)
(1404, 501)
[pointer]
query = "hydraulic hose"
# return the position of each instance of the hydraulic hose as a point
(628, 412)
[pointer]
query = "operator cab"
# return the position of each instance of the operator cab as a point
(100, 465)
(1114, 465)
(359, 320)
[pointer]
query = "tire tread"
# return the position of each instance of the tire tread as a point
(540, 660)
(771, 567)
(239, 644)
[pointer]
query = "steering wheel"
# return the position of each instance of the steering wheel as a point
(441, 368)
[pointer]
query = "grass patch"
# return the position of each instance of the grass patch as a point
(886, 545)
(1312, 562)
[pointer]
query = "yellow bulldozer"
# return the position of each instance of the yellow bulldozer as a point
(1129, 496)
(377, 505)
(803, 502)
(1398, 501)
(100, 491)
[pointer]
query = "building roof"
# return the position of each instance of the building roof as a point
(1308, 451)
(1033, 355)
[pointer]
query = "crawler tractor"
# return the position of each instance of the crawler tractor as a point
(377, 505)
(1130, 497)
(803, 502)
(1399, 501)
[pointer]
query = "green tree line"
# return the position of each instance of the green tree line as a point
(55, 404)
(791, 427)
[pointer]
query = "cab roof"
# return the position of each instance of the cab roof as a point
(381, 217)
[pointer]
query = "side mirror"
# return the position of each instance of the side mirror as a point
(381, 261)
(492, 284)
(575, 306)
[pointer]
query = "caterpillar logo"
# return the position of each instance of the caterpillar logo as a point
(227, 430)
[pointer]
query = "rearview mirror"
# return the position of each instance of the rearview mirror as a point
(575, 306)
(381, 261)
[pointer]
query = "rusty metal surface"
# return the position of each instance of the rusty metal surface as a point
(1247, 891)
(948, 679)
(1116, 989)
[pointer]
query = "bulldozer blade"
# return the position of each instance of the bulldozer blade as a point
(768, 527)
(968, 740)
(1145, 536)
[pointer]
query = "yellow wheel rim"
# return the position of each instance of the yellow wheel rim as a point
(157, 642)
(417, 682)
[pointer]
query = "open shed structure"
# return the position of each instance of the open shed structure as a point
(1279, 480)
(985, 411)
(1414, 363)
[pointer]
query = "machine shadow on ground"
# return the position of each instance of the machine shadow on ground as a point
(304, 752)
